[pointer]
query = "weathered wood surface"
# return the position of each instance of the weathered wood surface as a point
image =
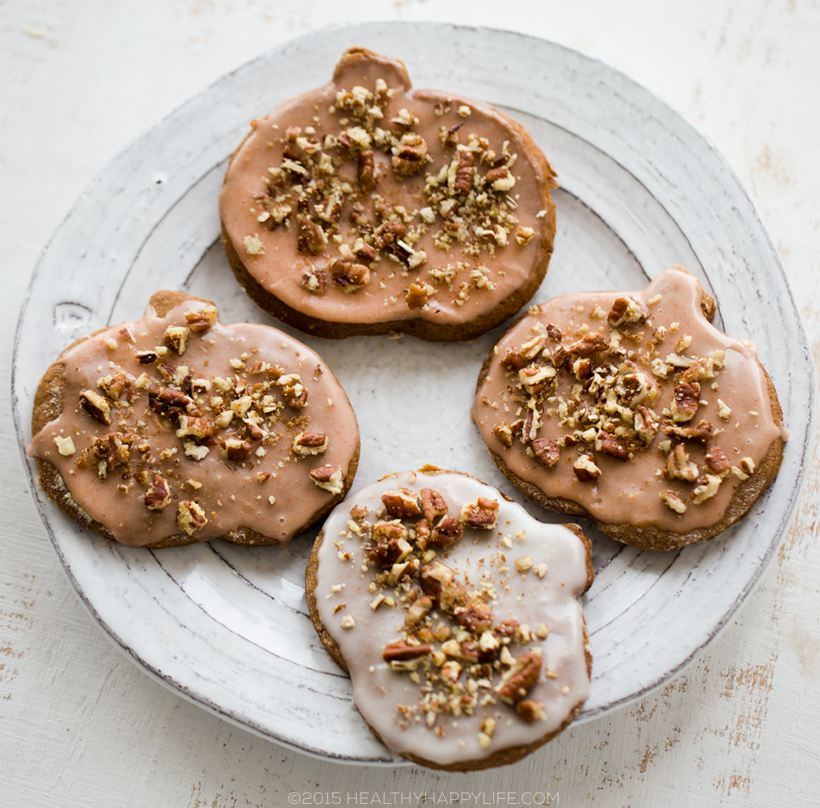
(81, 725)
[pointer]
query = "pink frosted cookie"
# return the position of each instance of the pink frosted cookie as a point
(369, 207)
(177, 429)
(457, 616)
(633, 410)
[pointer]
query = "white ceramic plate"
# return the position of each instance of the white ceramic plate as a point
(640, 190)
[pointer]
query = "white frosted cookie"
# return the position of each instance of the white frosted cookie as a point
(176, 429)
(368, 207)
(632, 409)
(457, 615)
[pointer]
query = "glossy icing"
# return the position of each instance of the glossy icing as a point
(484, 561)
(494, 243)
(734, 401)
(247, 473)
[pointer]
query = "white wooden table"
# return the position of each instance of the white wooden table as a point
(81, 725)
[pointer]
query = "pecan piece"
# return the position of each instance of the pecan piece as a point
(236, 450)
(417, 295)
(531, 711)
(309, 236)
(520, 679)
(506, 630)
(546, 452)
(146, 357)
(588, 345)
(439, 582)
(306, 444)
(96, 406)
(113, 385)
(717, 462)
(176, 338)
(705, 488)
(387, 553)
(190, 427)
(367, 171)
(678, 465)
(513, 360)
(410, 156)
(190, 517)
(388, 531)
(112, 450)
(463, 181)
(701, 433)
(417, 612)
(328, 477)
(168, 403)
(158, 495)
(504, 434)
(446, 532)
(500, 179)
(293, 391)
(475, 617)
(554, 333)
(585, 470)
(482, 514)
(645, 424)
(686, 401)
(627, 311)
(349, 277)
(673, 501)
(201, 321)
(313, 281)
(609, 445)
(403, 656)
(401, 504)
(433, 504)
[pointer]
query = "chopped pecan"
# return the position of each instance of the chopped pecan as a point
(423, 533)
(158, 495)
(293, 391)
(349, 277)
(387, 553)
(113, 385)
(388, 531)
(398, 653)
(464, 172)
(701, 433)
(504, 434)
(367, 171)
(96, 406)
(112, 450)
(313, 281)
(554, 333)
(309, 236)
(483, 513)
(306, 444)
(513, 360)
(705, 488)
(520, 678)
(401, 504)
(475, 617)
(201, 321)
(433, 504)
(446, 532)
(531, 711)
(439, 582)
(255, 432)
(673, 501)
(506, 630)
(500, 178)
(418, 610)
(146, 357)
(417, 295)
(686, 401)
(364, 251)
(190, 427)
(717, 462)
(546, 451)
(190, 517)
(236, 450)
(678, 465)
(588, 345)
(610, 445)
(411, 155)
(627, 311)
(169, 403)
(585, 470)
(645, 424)
(176, 338)
(328, 477)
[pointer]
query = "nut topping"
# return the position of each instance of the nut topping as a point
(401, 504)
(520, 679)
(483, 513)
(96, 406)
(158, 496)
(308, 444)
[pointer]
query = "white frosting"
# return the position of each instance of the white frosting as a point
(551, 600)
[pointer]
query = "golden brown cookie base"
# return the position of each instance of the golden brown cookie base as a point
(48, 405)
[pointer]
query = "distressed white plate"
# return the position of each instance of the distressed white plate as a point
(640, 190)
